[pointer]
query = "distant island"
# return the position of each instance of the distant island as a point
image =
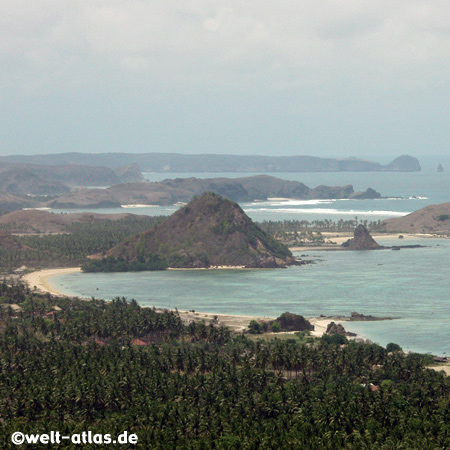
(210, 231)
(184, 163)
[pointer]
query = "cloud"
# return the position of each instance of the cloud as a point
(237, 66)
(283, 44)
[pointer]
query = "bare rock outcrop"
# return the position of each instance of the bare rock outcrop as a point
(362, 240)
(337, 328)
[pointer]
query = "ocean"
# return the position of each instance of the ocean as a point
(411, 285)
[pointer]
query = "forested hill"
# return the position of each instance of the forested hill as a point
(209, 231)
(177, 162)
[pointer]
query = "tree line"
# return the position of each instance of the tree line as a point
(74, 246)
(72, 365)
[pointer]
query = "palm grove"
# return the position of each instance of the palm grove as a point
(72, 365)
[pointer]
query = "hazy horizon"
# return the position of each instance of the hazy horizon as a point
(361, 79)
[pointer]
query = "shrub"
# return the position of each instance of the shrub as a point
(391, 347)
(276, 327)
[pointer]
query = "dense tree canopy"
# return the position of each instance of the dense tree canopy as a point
(72, 365)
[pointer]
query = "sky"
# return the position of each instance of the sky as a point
(330, 78)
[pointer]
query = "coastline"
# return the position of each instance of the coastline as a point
(40, 281)
(237, 323)
(336, 239)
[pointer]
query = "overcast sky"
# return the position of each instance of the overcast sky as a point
(326, 78)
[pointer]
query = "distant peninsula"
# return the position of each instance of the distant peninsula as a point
(50, 180)
(210, 231)
(172, 191)
(184, 163)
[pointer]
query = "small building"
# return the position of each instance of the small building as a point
(440, 359)
(16, 308)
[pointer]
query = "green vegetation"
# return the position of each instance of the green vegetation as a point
(443, 217)
(334, 339)
(286, 322)
(292, 226)
(111, 264)
(392, 347)
(73, 247)
(275, 327)
(81, 240)
(72, 365)
(209, 231)
(293, 322)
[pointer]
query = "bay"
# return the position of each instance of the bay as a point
(411, 284)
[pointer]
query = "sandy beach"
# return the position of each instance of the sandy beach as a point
(333, 241)
(39, 280)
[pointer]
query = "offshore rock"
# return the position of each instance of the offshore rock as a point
(362, 240)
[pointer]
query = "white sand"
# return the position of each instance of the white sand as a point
(40, 279)
(338, 238)
(239, 323)
(320, 326)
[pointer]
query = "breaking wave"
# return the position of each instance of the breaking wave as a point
(330, 211)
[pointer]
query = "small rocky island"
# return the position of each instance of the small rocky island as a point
(362, 240)
(209, 232)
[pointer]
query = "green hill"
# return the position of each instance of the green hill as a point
(208, 232)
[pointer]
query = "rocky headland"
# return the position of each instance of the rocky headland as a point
(182, 190)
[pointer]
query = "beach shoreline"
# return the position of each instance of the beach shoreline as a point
(39, 280)
(334, 240)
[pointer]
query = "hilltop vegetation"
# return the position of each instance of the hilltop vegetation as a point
(209, 231)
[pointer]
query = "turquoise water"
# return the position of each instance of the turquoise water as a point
(411, 284)
(405, 192)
